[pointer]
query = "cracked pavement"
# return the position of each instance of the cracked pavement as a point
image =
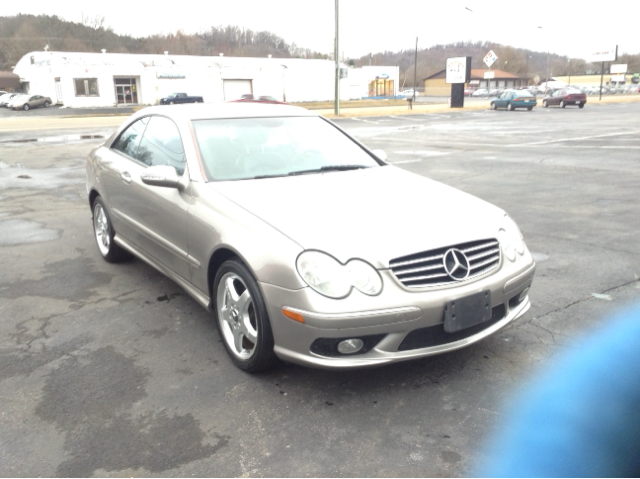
(113, 370)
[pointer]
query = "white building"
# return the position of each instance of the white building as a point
(108, 79)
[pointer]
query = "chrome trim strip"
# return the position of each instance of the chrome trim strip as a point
(416, 270)
(482, 246)
(482, 255)
(414, 261)
(484, 263)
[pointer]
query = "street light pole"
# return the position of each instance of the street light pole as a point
(336, 103)
(415, 72)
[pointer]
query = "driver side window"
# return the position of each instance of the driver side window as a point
(161, 145)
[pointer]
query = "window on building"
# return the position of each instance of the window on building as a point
(86, 86)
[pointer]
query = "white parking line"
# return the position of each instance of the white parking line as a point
(362, 119)
(403, 118)
(577, 138)
(404, 161)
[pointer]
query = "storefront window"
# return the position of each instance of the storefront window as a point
(86, 86)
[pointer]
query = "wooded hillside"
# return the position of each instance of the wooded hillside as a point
(21, 34)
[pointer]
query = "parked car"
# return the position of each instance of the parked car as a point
(175, 98)
(468, 92)
(496, 92)
(26, 102)
(250, 97)
(2, 93)
(512, 99)
(481, 92)
(564, 97)
(408, 93)
(633, 89)
(5, 99)
(298, 238)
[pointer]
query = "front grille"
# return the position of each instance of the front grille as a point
(427, 268)
(436, 335)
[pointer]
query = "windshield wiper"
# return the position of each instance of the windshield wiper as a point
(328, 168)
(260, 177)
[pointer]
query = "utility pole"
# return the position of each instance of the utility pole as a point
(336, 103)
(415, 72)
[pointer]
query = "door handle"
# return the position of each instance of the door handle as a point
(126, 177)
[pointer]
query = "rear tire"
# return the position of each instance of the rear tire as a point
(104, 234)
(493, 105)
(46, 104)
(562, 104)
(529, 108)
(581, 105)
(510, 107)
(25, 107)
(545, 104)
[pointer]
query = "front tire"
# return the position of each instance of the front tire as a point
(104, 234)
(242, 319)
(493, 105)
(25, 107)
(545, 104)
(46, 104)
(170, 103)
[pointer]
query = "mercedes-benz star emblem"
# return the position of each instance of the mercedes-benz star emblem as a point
(456, 264)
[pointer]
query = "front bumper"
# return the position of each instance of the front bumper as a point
(398, 324)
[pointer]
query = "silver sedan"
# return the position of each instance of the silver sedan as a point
(304, 244)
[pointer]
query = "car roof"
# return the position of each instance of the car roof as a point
(207, 111)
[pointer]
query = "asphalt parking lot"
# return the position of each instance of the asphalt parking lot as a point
(112, 370)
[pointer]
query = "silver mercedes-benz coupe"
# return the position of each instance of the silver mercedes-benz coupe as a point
(305, 245)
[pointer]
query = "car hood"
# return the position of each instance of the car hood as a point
(376, 214)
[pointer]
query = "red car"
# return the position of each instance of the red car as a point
(564, 97)
(259, 99)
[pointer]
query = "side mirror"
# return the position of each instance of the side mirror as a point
(161, 175)
(380, 154)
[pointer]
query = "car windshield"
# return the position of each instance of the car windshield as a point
(244, 148)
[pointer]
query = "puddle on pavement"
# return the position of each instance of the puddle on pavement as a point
(55, 139)
(19, 176)
(16, 231)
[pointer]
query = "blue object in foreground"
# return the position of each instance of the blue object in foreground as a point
(581, 416)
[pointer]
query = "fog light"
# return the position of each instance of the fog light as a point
(523, 295)
(350, 346)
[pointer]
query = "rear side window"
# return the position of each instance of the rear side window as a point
(161, 145)
(129, 140)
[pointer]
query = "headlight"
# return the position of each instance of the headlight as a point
(329, 277)
(511, 239)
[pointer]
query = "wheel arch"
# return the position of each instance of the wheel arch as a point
(93, 194)
(218, 257)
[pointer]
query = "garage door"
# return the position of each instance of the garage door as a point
(234, 89)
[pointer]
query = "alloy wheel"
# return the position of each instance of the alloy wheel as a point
(237, 316)
(102, 229)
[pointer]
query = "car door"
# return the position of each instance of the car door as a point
(158, 215)
(500, 101)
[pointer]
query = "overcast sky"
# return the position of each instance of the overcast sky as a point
(568, 28)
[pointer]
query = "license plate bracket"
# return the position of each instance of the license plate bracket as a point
(468, 311)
